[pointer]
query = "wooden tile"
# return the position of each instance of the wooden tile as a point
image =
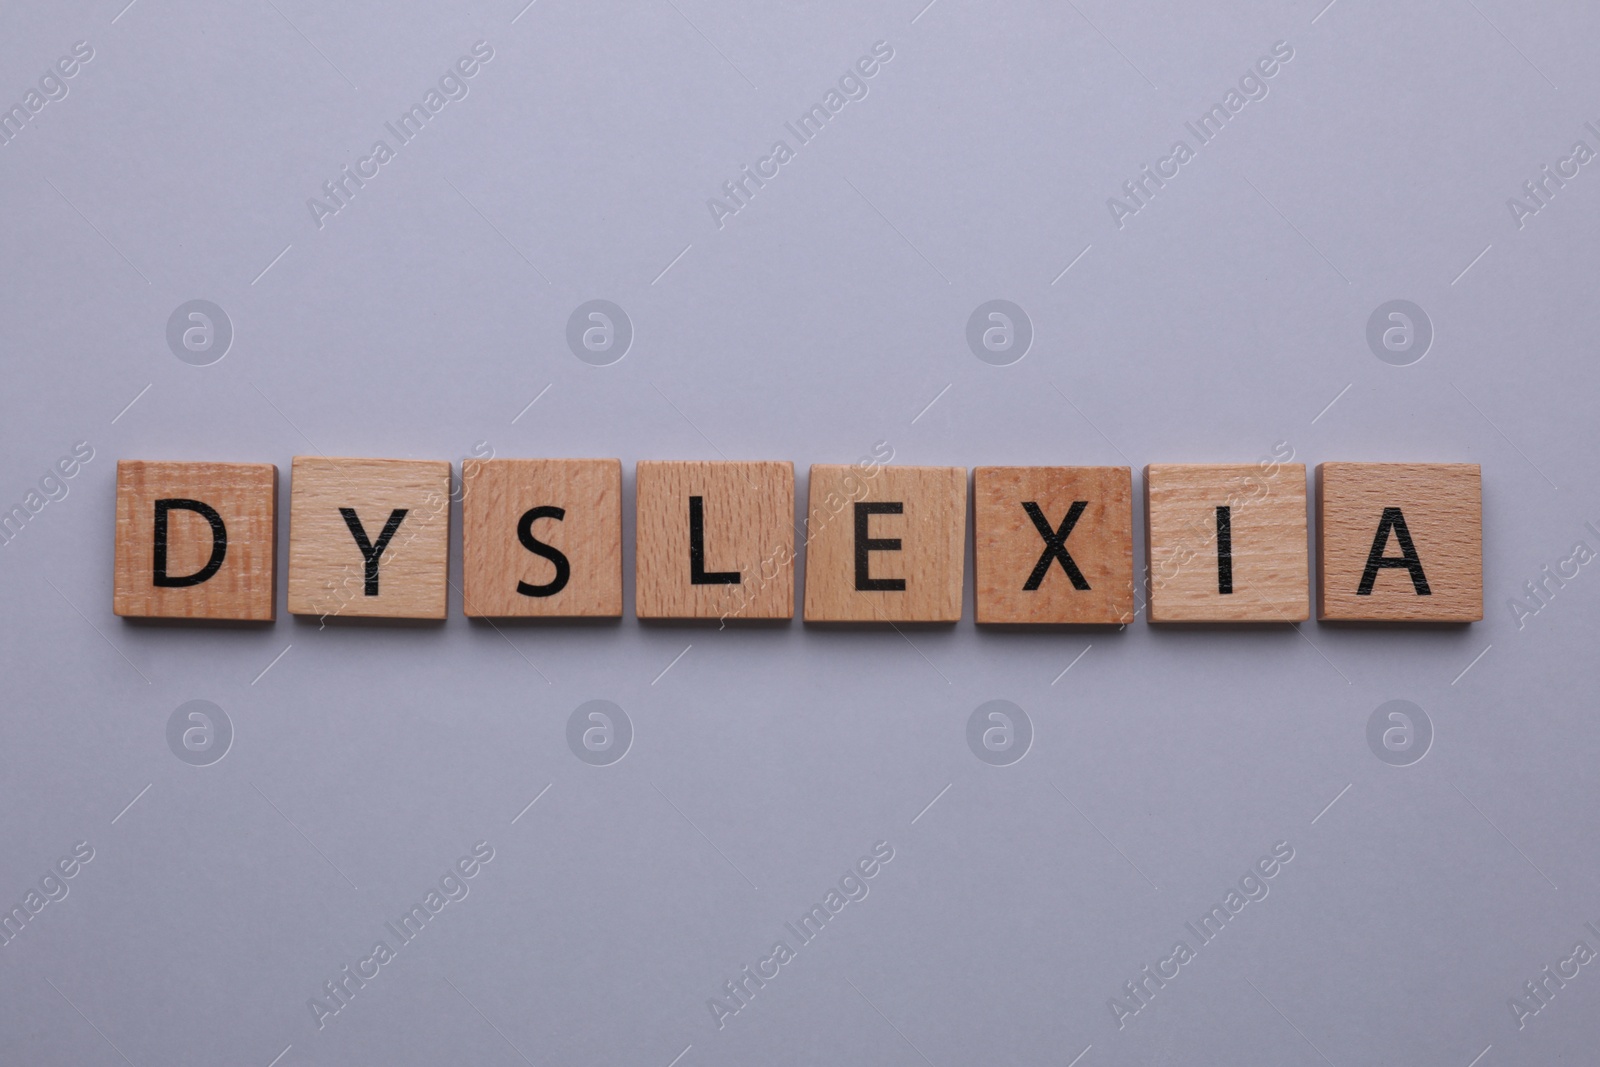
(196, 540)
(369, 537)
(886, 544)
(541, 537)
(1400, 542)
(1227, 542)
(714, 540)
(1053, 544)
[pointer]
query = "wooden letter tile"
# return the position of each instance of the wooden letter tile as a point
(1227, 542)
(541, 537)
(1400, 542)
(885, 544)
(196, 540)
(369, 537)
(1053, 544)
(714, 540)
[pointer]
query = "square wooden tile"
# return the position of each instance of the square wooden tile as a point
(1053, 544)
(714, 540)
(196, 540)
(1400, 542)
(541, 537)
(885, 544)
(1227, 542)
(369, 537)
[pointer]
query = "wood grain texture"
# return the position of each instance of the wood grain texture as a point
(497, 493)
(328, 573)
(245, 499)
(1441, 508)
(746, 521)
(931, 528)
(1266, 530)
(1009, 544)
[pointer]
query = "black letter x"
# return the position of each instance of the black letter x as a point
(1055, 547)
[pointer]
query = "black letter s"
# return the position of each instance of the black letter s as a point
(539, 548)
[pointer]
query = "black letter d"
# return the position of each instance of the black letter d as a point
(219, 543)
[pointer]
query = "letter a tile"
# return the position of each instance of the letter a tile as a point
(1400, 542)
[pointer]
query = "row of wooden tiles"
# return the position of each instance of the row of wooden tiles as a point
(1053, 545)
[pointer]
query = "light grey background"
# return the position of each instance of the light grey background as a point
(422, 319)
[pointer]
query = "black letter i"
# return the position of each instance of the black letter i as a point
(1224, 550)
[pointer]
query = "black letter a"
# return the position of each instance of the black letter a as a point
(1408, 558)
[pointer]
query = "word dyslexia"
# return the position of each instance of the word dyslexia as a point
(1397, 542)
